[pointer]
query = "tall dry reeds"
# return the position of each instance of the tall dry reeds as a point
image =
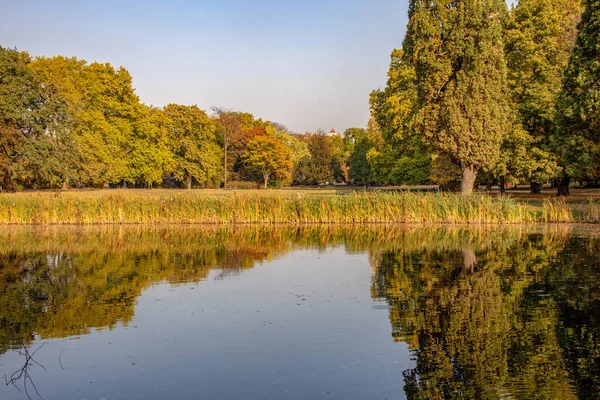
(350, 208)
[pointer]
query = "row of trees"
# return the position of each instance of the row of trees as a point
(68, 123)
(479, 92)
(267, 152)
(64, 122)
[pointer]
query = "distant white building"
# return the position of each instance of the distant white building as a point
(334, 133)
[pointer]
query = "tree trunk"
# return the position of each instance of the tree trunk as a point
(502, 184)
(189, 182)
(266, 176)
(536, 188)
(65, 184)
(225, 168)
(469, 175)
(562, 186)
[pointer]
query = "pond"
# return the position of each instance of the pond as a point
(319, 312)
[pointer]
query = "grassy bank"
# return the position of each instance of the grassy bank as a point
(369, 207)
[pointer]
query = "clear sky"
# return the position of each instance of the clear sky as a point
(305, 63)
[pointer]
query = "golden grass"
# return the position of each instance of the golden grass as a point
(160, 192)
(275, 207)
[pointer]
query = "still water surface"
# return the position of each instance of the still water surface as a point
(299, 313)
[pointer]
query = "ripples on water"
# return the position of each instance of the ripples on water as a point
(297, 313)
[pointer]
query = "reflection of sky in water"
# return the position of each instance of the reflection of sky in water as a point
(302, 326)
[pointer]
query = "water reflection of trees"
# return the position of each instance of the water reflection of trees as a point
(574, 281)
(63, 282)
(511, 318)
(489, 312)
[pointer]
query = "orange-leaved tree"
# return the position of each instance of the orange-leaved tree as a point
(268, 158)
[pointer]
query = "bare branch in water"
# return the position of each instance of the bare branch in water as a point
(59, 362)
(23, 374)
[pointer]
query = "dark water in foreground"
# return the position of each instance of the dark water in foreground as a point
(299, 313)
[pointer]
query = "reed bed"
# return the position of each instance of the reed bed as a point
(350, 208)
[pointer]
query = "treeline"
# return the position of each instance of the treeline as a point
(477, 94)
(480, 93)
(68, 123)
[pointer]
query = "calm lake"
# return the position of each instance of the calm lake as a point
(299, 313)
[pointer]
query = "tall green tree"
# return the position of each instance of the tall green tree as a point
(540, 37)
(457, 50)
(402, 157)
(319, 168)
(360, 169)
(56, 155)
(339, 161)
(192, 138)
(578, 138)
(299, 148)
(394, 107)
(105, 124)
(150, 156)
(19, 102)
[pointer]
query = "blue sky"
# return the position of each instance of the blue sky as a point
(306, 63)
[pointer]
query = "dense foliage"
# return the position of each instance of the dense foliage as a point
(478, 94)
(68, 123)
(457, 51)
(578, 137)
(267, 158)
(539, 40)
(478, 88)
